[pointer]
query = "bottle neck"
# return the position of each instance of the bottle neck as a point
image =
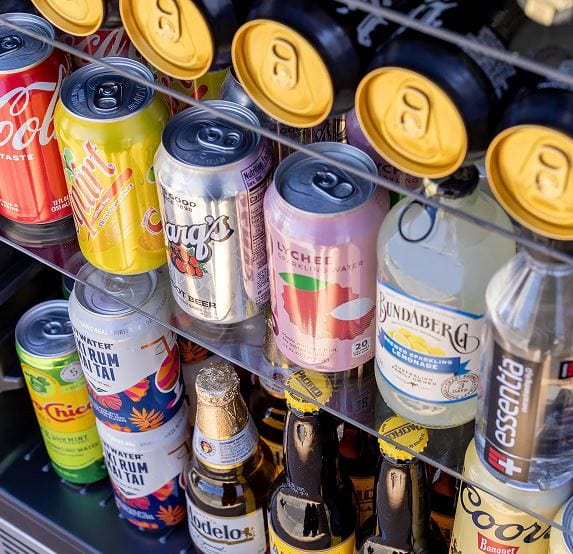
(463, 201)
(311, 461)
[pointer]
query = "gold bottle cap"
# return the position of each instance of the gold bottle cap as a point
(545, 11)
(177, 41)
(310, 383)
(283, 73)
(405, 433)
(530, 171)
(76, 17)
(411, 122)
(217, 384)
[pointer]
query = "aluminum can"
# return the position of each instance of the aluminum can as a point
(146, 471)
(561, 542)
(186, 39)
(207, 87)
(356, 137)
(212, 177)
(79, 18)
(321, 226)
(32, 184)
(548, 12)
(47, 352)
(331, 130)
(108, 129)
(131, 363)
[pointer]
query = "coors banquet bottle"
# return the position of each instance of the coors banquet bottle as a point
(230, 473)
(524, 425)
(312, 506)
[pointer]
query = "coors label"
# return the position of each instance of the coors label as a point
(511, 414)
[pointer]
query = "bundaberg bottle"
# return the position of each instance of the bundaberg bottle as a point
(230, 473)
(312, 506)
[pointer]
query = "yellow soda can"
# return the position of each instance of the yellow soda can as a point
(108, 129)
(50, 364)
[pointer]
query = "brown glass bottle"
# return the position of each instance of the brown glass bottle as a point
(312, 506)
(443, 494)
(230, 473)
(358, 454)
(401, 495)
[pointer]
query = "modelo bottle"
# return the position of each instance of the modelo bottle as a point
(433, 269)
(484, 523)
(524, 424)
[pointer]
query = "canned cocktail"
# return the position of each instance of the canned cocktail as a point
(145, 471)
(131, 363)
(212, 178)
(108, 129)
(321, 226)
(32, 184)
(47, 352)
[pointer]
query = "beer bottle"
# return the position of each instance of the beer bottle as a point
(312, 505)
(230, 473)
(358, 456)
(401, 492)
(442, 509)
(484, 523)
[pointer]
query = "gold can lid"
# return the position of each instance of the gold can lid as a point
(530, 171)
(217, 384)
(405, 433)
(411, 122)
(311, 384)
(76, 17)
(283, 73)
(177, 41)
(546, 12)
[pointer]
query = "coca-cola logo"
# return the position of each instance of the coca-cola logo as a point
(472, 504)
(16, 104)
(200, 236)
(106, 42)
(62, 413)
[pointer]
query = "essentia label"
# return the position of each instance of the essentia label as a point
(323, 286)
(134, 385)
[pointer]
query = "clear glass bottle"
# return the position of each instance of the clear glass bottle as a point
(433, 269)
(524, 425)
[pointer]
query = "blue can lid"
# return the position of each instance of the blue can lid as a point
(195, 137)
(17, 50)
(97, 93)
(319, 187)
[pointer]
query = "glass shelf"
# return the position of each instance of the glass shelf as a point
(355, 398)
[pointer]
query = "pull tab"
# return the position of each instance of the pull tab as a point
(108, 95)
(9, 44)
(56, 328)
(552, 171)
(333, 185)
(168, 19)
(219, 138)
(114, 284)
(284, 63)
(413, 110)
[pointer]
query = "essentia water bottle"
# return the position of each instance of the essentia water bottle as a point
(433, 269)
(524, 424)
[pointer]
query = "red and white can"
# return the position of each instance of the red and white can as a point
(32, 184)
(321, 224)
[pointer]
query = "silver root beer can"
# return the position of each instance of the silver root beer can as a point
(212, 177)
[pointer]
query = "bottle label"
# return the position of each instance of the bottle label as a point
(273, 387)
(277, 453)
(278, 546)
(226, 453)
(442, 525)
(484, 524)
(426, 351)
(364, 487)
(236, 535)
(514, 390)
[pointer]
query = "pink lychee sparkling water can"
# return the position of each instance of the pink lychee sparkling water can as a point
(322, 223)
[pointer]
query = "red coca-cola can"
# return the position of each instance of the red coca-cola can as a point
(32, 182)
